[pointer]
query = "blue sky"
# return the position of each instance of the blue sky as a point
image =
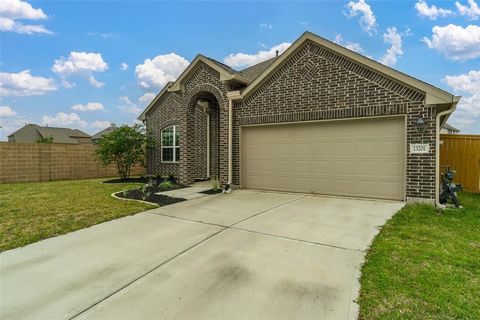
(85, 64)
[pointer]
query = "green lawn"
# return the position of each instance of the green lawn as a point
(424, 265)
(30, 212)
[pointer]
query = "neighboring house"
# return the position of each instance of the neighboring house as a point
(319, 118)
(97, 136)
(448, 129)
(33, 133)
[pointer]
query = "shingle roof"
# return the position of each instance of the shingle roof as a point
(20, 129)
(59, 135)
(223, 66)
(62, 135)
(252, 72)
(105, 131)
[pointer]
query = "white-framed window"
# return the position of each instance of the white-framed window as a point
(170, 137)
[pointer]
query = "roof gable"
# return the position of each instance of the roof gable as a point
(434, 95)
(226, 73)
(255, 76)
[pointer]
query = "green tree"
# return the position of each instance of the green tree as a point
(125, 147)
(47, 140)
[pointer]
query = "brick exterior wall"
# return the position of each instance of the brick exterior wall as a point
(28, 162)
(166, 113)
(181, 108)
(317, 84)
(313, 84)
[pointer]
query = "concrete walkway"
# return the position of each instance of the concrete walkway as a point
(246, 255)
(190, 192)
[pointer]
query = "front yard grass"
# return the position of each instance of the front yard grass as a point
(30, 212)
(424, 265)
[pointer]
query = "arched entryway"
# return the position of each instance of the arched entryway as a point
(203, 136)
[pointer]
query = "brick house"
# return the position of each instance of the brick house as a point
(318, 118)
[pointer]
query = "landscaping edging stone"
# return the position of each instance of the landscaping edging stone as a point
(127, 199)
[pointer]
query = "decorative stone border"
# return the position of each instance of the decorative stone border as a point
(125, 199)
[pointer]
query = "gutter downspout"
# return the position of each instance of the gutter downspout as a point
(450, 110)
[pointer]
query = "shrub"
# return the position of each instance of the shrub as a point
(47, 140)
(166, 184)
(125, 147)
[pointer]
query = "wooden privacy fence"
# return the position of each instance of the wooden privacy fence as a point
(462, 153)
(22, 162)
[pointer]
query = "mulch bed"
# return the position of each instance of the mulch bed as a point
(137, 194)
(159, 199)
(211, 191)
(128, 180)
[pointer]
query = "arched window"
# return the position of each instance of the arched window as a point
(171, 144)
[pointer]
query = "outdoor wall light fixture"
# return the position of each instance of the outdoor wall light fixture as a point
(420, 125)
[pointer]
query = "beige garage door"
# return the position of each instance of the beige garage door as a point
(360, 158)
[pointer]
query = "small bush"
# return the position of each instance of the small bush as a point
(166, 184)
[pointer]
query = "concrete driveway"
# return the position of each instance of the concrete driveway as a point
(247, 255)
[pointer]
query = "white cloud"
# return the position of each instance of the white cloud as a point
(472, 11)
(431, 12)
(393, 38)
(10, 25)
(104, 35)
(13, 10)
(455, 42)
(146, 98)
(63, 119)
(17, 9)
(128, 106)
(156, 72)
(266, 26)
(354, 46)
(6, 112)
(123, 66)
(470, 105)
(100, 124)
(24, 84)
(263, 45)
(245, 60)
(80, 63)
(467, 115)
(91, 106)
(367, 21)
(130, 109)
(468, 83)
(10, 124)
(126, 100)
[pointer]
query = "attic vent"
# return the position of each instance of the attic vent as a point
(309, 70)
